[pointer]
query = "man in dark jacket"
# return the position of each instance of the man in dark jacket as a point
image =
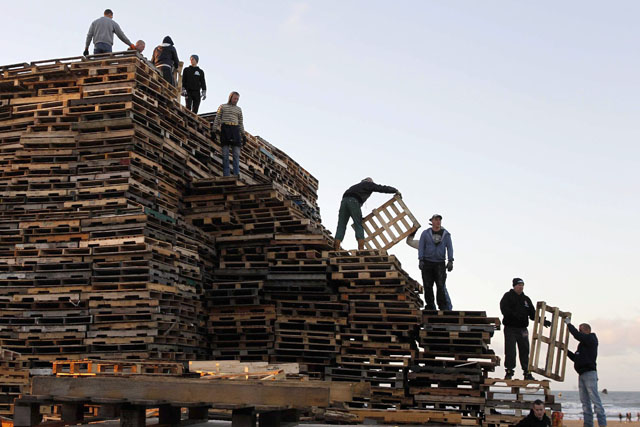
(165, 58)
(584, 362)
(517, 309)
(434, 248)
(537, 417)
(194, 86)
(350, 207)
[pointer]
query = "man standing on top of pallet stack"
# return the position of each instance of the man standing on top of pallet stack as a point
(102, 31)
(165, 59)
(584, 362)
(434, 247)
(194, 87)
(517, 309)
(415, 243)
(229, 129)
(350, 207)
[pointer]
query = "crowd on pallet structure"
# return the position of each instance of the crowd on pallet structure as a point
(435, 247)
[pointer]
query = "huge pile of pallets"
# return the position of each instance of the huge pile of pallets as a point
(119, 239)
(455, 359)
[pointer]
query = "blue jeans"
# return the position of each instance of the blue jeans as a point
(225, 159)
(101, 48)
(588, 387)
(447, 298)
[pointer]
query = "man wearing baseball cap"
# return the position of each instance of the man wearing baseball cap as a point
(434, 247)
(517, 309)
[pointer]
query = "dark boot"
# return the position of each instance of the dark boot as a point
(528, 376)
(361, 244)
(509, 374)
(336, 244)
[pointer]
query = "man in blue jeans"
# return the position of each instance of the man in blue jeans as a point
(584, 362)
(101, 32)
(350, 207)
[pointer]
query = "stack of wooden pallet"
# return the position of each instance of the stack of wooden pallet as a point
(455, 359)
(96, 257)
(510, 400)
(14, 380)
(271, 263)
(378, 341)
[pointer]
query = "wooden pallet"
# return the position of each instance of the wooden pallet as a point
(549, 350)
(388, 224)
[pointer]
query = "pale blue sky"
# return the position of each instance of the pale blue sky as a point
(517, 121)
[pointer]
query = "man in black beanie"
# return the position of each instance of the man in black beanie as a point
(517, 309)
(194, 86)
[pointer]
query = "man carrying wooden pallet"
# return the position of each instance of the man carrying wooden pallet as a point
(584, 362)
(434, 248)
(517, 309)
(101, 32)
(351, 207)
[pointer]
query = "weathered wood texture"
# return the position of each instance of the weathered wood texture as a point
(549, 346)
(388, 224)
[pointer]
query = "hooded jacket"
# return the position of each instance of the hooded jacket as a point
(584, 359)
(429, 251)
(516, 309)
(362, 190)
(165, 54)
(532, 421)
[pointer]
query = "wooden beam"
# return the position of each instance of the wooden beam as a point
(277, 393)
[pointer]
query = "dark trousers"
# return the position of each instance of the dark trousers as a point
(512, 337)
(167, 73)
(434, 272)
(193, 101)
(349, 208)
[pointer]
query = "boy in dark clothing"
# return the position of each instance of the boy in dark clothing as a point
(165, 59)
(537, 417)
(584, 362)
(350, 207)
(194, 86)
(517, 309)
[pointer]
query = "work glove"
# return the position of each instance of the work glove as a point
(546, 323)
(421, 264)
(399, 194)
(567, 320)
(86, 52)
(184, 93)
(204, 95)
(132, 47)
(450, 266)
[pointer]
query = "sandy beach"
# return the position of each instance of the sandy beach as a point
(578, 423)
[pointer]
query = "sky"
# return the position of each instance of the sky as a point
(514, 120)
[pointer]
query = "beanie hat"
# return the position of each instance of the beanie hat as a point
(194, 56)
(517, 281)
(168, 40)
